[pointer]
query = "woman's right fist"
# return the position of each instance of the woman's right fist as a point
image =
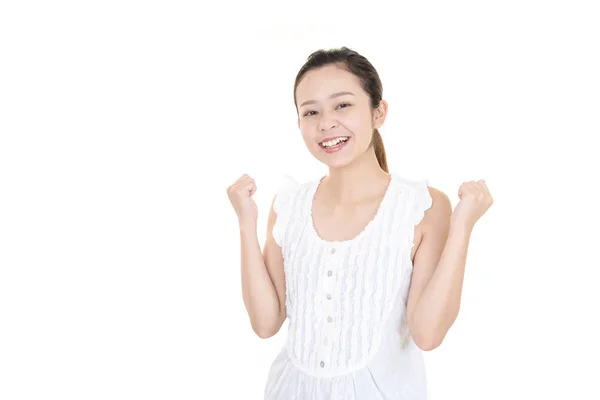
(240, 195)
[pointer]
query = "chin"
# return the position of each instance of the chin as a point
(333, 160)
(337, 163)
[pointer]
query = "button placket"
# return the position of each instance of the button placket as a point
(330, 285)
(328, 305)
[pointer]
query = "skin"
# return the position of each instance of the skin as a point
(348, 197)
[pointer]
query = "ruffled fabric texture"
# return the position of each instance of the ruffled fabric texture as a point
(282, 206)
(370, 353)
(421, 202)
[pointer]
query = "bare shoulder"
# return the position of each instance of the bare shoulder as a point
(440, 210)
(435, 218)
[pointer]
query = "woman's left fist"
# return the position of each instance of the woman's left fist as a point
(475, 200)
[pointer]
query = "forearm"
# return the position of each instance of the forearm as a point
(258, 291)
(438, 306)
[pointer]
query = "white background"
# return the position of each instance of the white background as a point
(122, 124)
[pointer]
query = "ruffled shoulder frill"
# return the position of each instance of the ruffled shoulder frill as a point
(423, 200)
(283, 205)
(420, 202)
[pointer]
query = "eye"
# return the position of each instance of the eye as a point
(341, 104)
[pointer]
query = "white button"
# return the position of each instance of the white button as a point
(322, 364)
(333, 251)
(329, 273)
(328, 296)
(329, 319)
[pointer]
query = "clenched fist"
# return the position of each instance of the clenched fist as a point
(240, 196)
(475, 200)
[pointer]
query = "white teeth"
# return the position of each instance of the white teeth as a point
(334, 142)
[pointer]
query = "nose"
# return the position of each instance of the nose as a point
(326, 123)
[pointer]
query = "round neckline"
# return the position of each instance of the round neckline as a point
(365, 229)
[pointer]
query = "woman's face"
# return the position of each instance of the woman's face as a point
(334, 115)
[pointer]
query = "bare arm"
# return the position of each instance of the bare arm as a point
(439, 267)
(438, 272)
(263, 279)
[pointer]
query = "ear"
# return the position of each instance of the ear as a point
(380, 113)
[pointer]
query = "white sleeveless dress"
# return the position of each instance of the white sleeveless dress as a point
(347, 335)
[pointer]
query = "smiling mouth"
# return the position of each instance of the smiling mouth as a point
(333, 143)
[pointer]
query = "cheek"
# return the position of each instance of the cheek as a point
(360, 126)
(308, 135)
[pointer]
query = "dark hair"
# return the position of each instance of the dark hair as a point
(358, 65)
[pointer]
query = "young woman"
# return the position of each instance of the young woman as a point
(366, 265)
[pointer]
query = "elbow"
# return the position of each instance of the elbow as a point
(429, 338)
(428, 346)
(265, 333)
(428, 343)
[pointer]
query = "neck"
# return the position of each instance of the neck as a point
(357, 180)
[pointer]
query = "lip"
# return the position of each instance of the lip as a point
(337, 147)
(332, 137)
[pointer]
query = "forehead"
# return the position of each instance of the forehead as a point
(319, 83)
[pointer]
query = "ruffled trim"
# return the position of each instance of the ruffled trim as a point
(370, 301)
(281, 206)
(422, 202)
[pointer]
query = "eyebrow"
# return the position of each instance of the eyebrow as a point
(331, 97)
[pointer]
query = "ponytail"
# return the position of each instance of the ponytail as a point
(379, 150)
